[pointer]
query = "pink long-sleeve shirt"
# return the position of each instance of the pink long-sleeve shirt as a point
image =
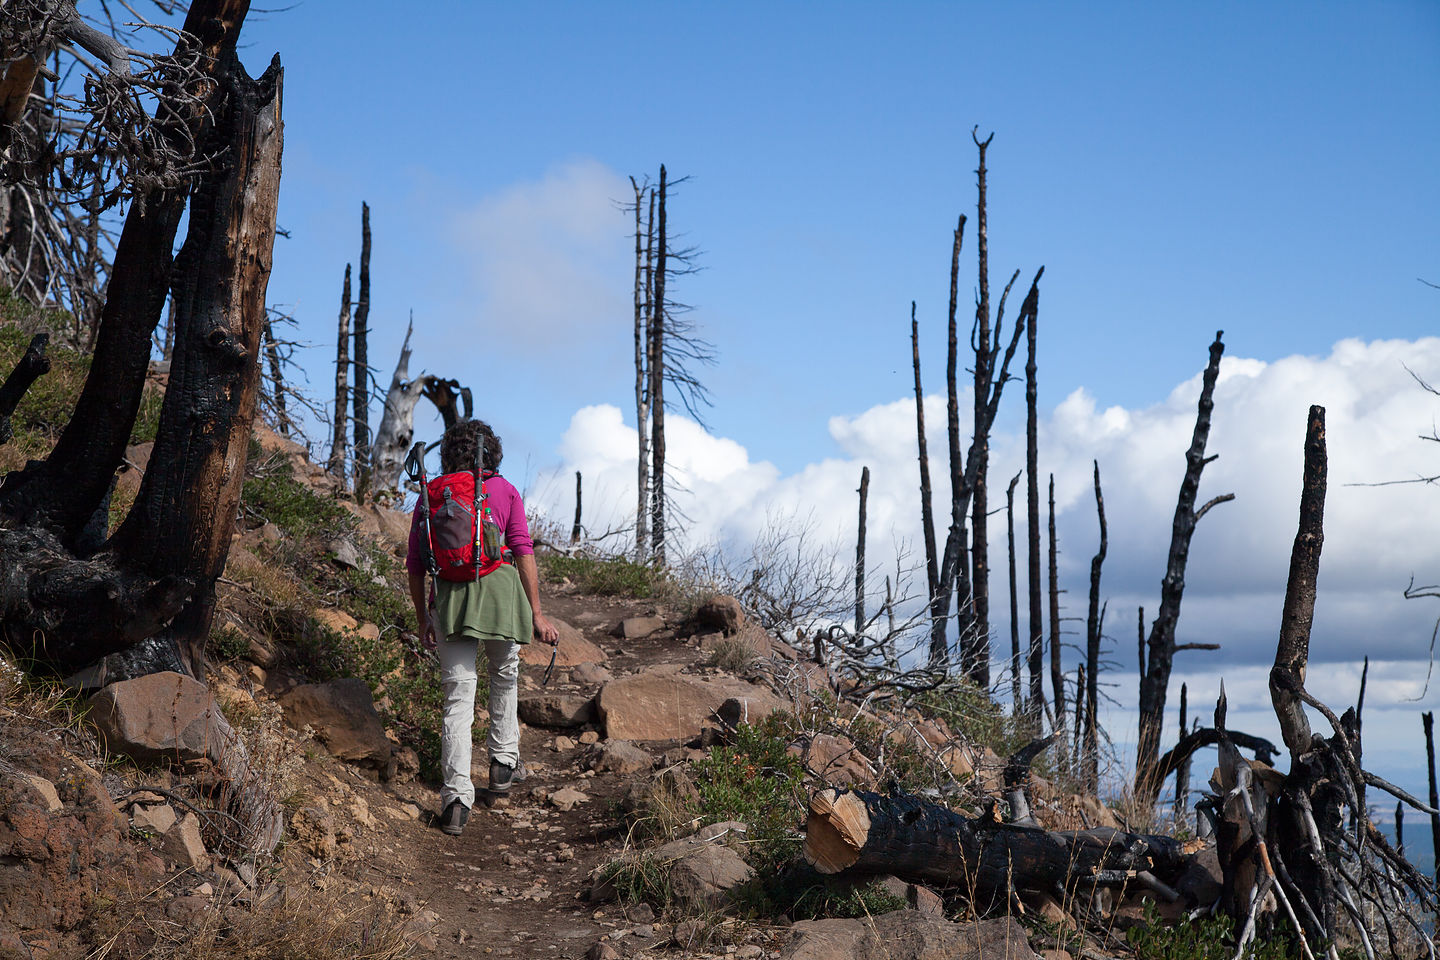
(507, 508)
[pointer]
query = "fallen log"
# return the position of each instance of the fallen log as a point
(916, 839)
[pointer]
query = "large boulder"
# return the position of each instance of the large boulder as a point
(665, 704)
(572, 649)
(702, 873)
(159, 716)
(907, 935)
(342, 715)
(719, 615)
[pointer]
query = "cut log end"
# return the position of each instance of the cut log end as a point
(835, 830)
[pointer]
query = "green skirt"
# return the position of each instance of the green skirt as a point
(491, 608)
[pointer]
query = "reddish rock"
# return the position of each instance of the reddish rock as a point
(183, 845)
(161, 716)
(636, 628)
(722, 614)
(835, 760)
(668, 705)
(573, 648)
(906, 935)
(556, 710)
(342, 715)
(619, 756)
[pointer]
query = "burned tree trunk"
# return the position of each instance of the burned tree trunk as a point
(642, 395)
(397, 423)
(977, 649)
(576, 528)
(361, 390)
(1428, 718)
(1016, 664)
(63, 612)
(454, 402)
(31, 366)
(1092, 649)
(277, 380)
(861, 832)
(336, 465)
(860, 555)
(1057, 673)
(927, 517)
(1032, 517)
(955, 539)
(182, 519)
(1161, 647)
(656, 362)
(1182, 772)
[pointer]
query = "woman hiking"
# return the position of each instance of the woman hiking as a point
(494, 598)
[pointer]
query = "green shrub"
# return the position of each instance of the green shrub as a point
(611, 578)
(974, 717)
(273, 494)
(227, 643)
(1203, 938)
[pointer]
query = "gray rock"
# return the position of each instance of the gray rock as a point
(620, 756)
(907, 935)
(162, 716)
(703, 874)
(636, 628)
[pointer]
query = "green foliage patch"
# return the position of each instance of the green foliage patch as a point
(1203, 938)
(272, 493)
(602, 577)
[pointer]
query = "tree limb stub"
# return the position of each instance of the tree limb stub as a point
(911, 837)
(33, 365)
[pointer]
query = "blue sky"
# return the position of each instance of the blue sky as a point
(1267, 169)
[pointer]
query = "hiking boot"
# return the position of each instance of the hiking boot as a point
(453, 820)
(501, 776)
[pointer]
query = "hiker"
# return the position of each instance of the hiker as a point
(494, 598)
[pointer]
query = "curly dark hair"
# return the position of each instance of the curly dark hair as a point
(458, 446)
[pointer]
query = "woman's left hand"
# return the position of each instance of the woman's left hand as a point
(546, 631)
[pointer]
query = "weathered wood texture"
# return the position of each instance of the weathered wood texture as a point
(1093, 625)
(656, 362)
(396, 431)
(338, 443)
(927, 516)
(909, 837)
(360, 390)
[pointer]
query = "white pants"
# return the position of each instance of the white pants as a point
(458, 679)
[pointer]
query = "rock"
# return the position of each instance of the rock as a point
(702, 874)
(636, 628)
(732, 833)
(46, 790)
(156, 819)
(563, 743)
(556, 710)
(619, 756)
(566, 799)
(333, 619)
(344, 553)
(600, 950)
(906, 935)
(160, 716)
(722, 614)
(667, 705)
(571, 650)
(260, 654)
(342, 715)
(640, 912)
(668, 789)
(589, 736)
(182, 844)
(1052, 954)
(589, 674)
(313, 829)
(184, 910)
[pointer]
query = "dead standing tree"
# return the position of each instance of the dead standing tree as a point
(644, 275)
(1094, 625)
(860, 555)
(1155, 679)
(68, 596)
(336, 465)
(361, 389)
(397, 423)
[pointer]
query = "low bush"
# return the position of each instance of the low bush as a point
(603, 577)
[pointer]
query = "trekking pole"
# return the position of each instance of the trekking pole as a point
(415, 470)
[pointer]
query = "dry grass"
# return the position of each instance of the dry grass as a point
(317, 926)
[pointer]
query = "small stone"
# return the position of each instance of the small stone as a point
(601, 950)
(183, 845)
(566, 798)
(563, 743)
(589, 736)
(157, 820)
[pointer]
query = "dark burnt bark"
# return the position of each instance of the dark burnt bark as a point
(977, 649)
(1032, 517)
(868, 833)
(1161, 647)
(955, 539)
(161, 566)
(1428, 719)
(360, 392)
(927, 516)
(860, 555)
(336, 465)
(454, 402)
(181, 522)
(656, 361)
(1016, 664)
(29, 368)
(576, 528)
(1092, 648)
(277, 380)
(1182, 771)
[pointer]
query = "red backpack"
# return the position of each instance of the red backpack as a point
(466, 544)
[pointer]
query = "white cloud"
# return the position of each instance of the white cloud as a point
(550, 257)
